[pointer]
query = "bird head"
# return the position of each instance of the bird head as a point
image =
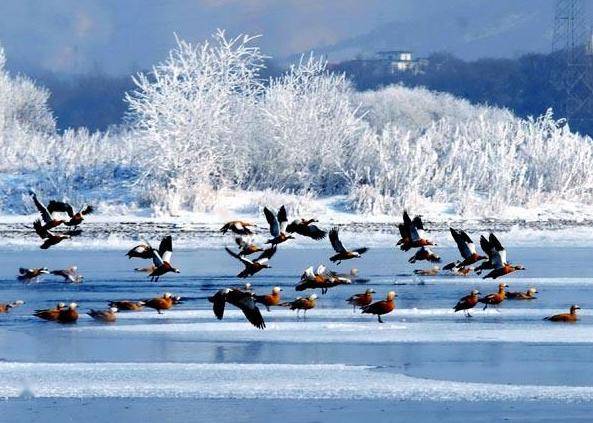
(61, 306)
(113, 309)
(313, 297)
(532, 291)
(475, 292)
(519, 267)
(176, 270)
(167, 295)
(72, 306)
(391, 295)
(574, 308)
(370, 291)
(44, 270)
(276, 290)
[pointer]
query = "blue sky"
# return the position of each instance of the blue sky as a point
(121, 36)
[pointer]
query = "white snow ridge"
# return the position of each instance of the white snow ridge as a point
(246, 381)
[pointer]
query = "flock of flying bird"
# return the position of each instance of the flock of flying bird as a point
(413, 236)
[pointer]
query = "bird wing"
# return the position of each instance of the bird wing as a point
(218, 302)
(361, 250)
(166, 248)
(308, 274)
(60, 206)
(241, 241)
(407, 221)
(282, 219)
(417, 229)
(354, 297)
(294, 226)
(373, 308)
(72, 270)
(499, 259)
(403, 231)
(500, 255)
(243, 260)
(335, 241)
(272, 221)
(45, 214)
(462, 302)
(321, 270)
(43, 233)
(139, 249)
(87, 210)
(247, 305)
(461, 239)
(486, 246)
(157, 259)
(495, 242)
(267, 254)
(311, 231)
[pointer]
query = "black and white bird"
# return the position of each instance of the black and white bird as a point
(161, 259)
(76, 218)
(425, 253)
(31, 274)
(247, 246)
(69, 274)
(49, 238)
(412, 233)
(278, 223)
(466, 248)
(305, 227)
(244, 300)
(341, 252)
(497, 259)
(253, 266)
(49, 221)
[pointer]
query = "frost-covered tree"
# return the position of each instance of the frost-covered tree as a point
(309, 127)
(25, 120)
(22, 103)
(190, 115)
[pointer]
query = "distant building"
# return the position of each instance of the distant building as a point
(401, 61)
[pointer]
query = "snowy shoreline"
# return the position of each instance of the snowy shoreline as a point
(109, 232)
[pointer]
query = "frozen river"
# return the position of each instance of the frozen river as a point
(425, 363)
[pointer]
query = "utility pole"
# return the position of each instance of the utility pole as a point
(572, 45)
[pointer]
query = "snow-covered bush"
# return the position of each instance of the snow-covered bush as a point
(202, 123)
(480, 159)
(309, 129)
(73, 165)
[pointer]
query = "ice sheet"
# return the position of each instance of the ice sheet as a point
(244, 381)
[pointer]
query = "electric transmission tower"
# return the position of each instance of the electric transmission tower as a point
(572, 45)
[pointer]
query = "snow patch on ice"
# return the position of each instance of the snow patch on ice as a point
(247, 381)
